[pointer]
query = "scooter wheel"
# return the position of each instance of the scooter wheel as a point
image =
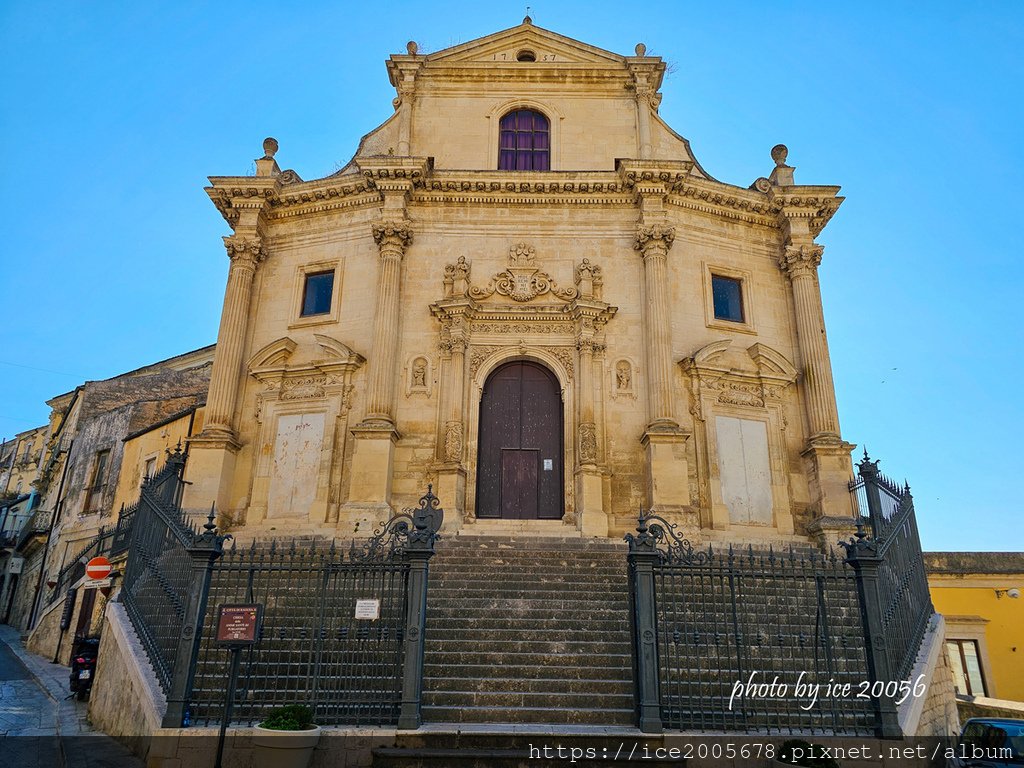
(81, 694)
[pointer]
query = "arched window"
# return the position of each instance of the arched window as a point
(525, 142)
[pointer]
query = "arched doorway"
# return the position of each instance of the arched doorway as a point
(519, 466)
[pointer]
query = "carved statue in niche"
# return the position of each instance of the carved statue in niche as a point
(623, 376)
(623, 379)
(419, 376)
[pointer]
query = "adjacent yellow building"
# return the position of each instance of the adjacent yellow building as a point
(981, 594)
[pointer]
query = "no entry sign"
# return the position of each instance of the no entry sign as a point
(98, 568)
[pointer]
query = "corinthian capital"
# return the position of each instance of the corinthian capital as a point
(655, 235)
(798, 260)
(244, 251)
(392, 235)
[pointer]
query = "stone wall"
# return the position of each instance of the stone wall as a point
(934, 714)
(25, 591)
(126, 701)
(46, 635)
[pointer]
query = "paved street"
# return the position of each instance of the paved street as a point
(40, 727)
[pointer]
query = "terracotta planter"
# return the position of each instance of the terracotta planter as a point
(284, 749)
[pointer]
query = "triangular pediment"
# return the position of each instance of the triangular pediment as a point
(504, 46)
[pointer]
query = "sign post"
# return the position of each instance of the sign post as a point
(238, 627)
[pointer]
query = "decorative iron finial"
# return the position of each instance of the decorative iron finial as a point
(527, 19)
(211, 526)
(270, 147)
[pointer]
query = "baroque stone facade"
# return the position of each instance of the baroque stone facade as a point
(590, 243)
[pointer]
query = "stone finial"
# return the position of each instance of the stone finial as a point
(641, 49)
(412, 47)
(782, 174)
(270, 147)
(526, 18)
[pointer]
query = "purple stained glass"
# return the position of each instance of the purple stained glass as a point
(524, 143)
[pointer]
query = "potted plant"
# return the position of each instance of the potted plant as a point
(803, 753)
(286, 738)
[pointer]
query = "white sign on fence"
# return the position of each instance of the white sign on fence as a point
(368, 609)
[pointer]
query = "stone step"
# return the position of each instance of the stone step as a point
(617, 671)
(526, 605)
(465, 747)
(618, 622)
(492, 699)
(537, 611)
(574, 646)
(503, 638)
(548, 715)
(527, 571)
(509, 539)
(504, 591)
(552, 684)
(508, 659)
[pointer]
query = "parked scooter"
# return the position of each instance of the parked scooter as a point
(83, 665)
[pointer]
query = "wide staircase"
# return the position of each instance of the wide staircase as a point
(528, 631)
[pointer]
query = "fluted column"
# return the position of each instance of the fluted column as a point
(800, 264)
(246, 255)
(653, 243)
(392, 237)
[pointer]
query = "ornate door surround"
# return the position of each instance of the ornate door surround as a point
(523, 313)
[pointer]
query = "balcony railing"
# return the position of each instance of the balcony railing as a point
(37, 525)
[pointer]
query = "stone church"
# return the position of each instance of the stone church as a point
(526, 290)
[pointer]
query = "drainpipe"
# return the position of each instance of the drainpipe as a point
(49, 536)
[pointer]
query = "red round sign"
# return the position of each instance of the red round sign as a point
(98, 568)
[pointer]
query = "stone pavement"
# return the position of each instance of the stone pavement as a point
(40, 726)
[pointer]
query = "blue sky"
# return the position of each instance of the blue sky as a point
(114, 114)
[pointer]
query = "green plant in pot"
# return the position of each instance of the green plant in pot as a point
(803, 753)
(286, 738)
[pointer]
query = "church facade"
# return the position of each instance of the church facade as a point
(525, 290)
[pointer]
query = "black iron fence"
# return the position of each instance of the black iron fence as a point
(166, 581)
(313, 650)
(780, 642)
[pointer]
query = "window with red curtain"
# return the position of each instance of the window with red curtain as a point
(525, 142)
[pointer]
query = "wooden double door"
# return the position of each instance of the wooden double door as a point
(519, 466)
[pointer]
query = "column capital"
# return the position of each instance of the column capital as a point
(392, 236)
(800, 260)
(245, 251)
(654, 237)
